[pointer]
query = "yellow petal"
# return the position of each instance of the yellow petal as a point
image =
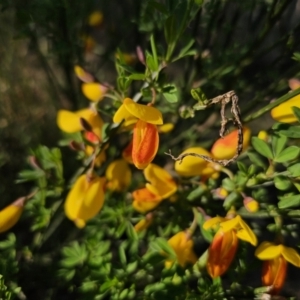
(268, 251)
(183, 247)
(291, 255)
(250, 204)
(283, 112)
(245, 233)
(165, 128)
(123, 114)
(145, 113)
(213, 222)
(118, 175)
(225, 148)
(85, 199)
(11, 214)
(93, 91)
(68, 121)
(83, 75)
(192, 166)
(95, 18)
(231, 224)
(144, 223)
(263, 135)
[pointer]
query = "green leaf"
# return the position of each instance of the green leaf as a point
(199, 95)
(228, 184)
(122, 254)
(108, 284)
(207, 234)
(256, 159)
(150, 62)
(294, 170)
(170, 93)
(131, 232)
(137, 76)
(282, 183)
(287, 154)
(262, 147)
(290, 131)
(242, 167)
(196, 193)
(231, 200)
(161, 245)
(278, 143)
(296, 111)
(289, 201)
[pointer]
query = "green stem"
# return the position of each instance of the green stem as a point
(270, 106)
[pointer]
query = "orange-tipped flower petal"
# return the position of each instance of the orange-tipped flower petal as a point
(145, 144)
(127, 153)
(118, 175)
(11, 214)
(194, 166)
(250, 204)
(225, 148)
(93, 91)
(144, 223)
(221, 252)
(183, 246)
(283, 113)
(85, 199)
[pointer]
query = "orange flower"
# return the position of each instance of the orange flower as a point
(275, 259)
(145, 144)
(145, 133)
(183, 246)
(225, 148)
(225, 242)
(161, 187)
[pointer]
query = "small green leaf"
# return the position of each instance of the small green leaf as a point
(131, 232)
(207, 234)
(231, 199)
(256, 159)
(137, 76)
(228, 184)
(287, 154)
(296, 111)
(199, 96)
(289, 201)
(170, 93)
(278, 143)
(161, 245)
(196, 193)
(150, 62)
(290, 131)
(262, 147)
(282, 183)
(242, 167)
(294, 170)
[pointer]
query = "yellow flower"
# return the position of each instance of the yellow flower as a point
(95, 18)
(85, 199)
(275, 263)
(118, 175)
(11, 214)
(161, 187)
(225, 148)
(194, 166)
(94, 91)
(100, 159)
(225, 242)
(263, 135)
(145, 133)
(69, 121)
(283, 112)
(183, 245)
(166, 128)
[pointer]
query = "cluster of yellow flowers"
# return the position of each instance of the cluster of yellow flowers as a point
(86, 197)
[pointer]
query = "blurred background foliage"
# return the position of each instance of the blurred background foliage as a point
(245, 45)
